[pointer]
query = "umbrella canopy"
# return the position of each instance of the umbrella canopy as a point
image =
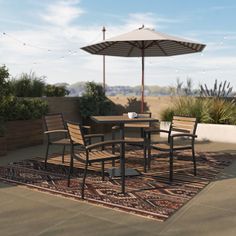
(144, 42)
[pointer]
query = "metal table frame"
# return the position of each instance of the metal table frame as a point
(121, 120)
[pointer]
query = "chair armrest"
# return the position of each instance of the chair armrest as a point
(86, 127)
(56, 131)
(183, 135)
(155, 130)
(105, 143)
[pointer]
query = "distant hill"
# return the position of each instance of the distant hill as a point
(77, 89)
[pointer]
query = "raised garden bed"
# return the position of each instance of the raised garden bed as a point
(23, 133)
(3, 146)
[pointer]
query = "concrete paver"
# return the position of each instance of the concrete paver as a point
(28, 212)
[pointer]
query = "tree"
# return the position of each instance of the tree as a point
(95, 102)
(55, 91)
(4, 83)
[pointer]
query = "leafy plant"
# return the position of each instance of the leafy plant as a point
(221, 90)
(4, 83)
(95, 102)
(167, 114)
(55, 91)
(13, 108)
(28, 85)
(206, 110)
(134, 105)
(223, 111)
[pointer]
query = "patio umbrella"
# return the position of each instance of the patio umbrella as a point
(144, 42)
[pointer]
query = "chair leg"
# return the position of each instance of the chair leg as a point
(70, 169)
(145, 159)
(149, 158)
(142, 133)
(103, 171)
(194, 162)
(113, 163)
(46, 156)
(113, 137)
(149, 151)
(171, 165)
(113, 148)
(63, 153)
(83, 183)
(122, 169)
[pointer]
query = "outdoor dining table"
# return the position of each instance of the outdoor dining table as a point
(121, 120)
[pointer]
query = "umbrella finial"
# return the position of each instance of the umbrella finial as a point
(141, 27)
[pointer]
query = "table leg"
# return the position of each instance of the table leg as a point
(117, 172)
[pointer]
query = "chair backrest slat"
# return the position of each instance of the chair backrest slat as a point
(76, 133)
(54, 122)
(184, 124)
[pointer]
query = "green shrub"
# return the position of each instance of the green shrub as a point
(94, 101)
(55, 91)
(223, 111)
(4, 83)
(167, 114)
(28, 85)
(13, 108)
(206, 110)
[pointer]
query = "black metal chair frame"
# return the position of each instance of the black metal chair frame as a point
(88, 149)
(172, 141)
(65, 141)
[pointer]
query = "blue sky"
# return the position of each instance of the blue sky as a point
(46, 36)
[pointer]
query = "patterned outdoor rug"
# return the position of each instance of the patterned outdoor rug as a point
(150, 194)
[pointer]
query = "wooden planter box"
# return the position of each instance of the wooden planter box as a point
(23, 133)
(3, 146)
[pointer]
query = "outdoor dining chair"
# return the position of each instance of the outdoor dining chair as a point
(89, 154)
(57, 133)
(180, 127)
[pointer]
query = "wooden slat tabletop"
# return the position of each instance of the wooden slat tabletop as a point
(121, 119)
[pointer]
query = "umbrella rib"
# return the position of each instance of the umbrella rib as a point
(191, 46)
(158, 45)
(130, 51)
(110, 44)
(134, 44)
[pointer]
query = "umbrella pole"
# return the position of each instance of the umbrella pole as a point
(142, 88)
(104, 63)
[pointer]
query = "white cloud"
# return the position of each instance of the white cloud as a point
(65, 62)
(62, 13)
